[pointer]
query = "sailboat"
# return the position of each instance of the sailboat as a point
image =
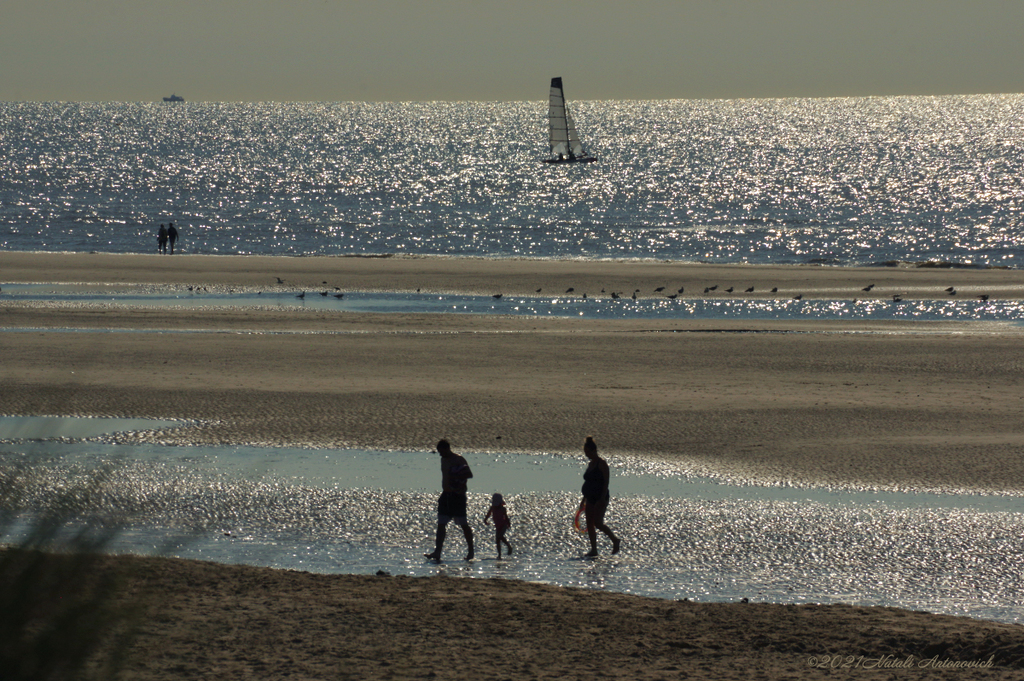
(562, 137)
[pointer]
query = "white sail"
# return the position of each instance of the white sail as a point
(574, 141)
(562, 137)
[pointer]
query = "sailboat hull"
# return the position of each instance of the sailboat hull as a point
(588, 159)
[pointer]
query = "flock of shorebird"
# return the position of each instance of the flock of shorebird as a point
(338, 294)
(896, 297)
(302, 296)
(708, 290)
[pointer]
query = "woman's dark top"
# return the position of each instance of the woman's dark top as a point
(593, 484)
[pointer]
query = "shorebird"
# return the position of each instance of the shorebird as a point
(496, 296)
(570, 289)
(712, 288)
(339, 296)
(749, 290)
(798, 296)
(673, 296)
(950, 290)
(614, 294)
(706, 289)
(775, 289)
(280, 280)
(983, 296)
(680, 290)
(301, 295)
(729, 290)
(659, 289)
(897, 298)
(868, 288)
(323, 293)
(538, 290)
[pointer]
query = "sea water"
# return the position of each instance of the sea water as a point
(866, 181)
(684, 535)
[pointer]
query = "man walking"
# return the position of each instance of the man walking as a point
(451, 505)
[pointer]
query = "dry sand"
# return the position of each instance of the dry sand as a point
(926, 405)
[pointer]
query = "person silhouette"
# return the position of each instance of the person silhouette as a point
(172, 236)
(499, 514)
(161, 240)
(451, 505)
(596, 497)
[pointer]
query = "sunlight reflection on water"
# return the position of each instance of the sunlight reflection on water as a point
(849, 181)
(684, 537)
(593, 307)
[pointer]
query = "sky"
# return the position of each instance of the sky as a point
(505, 50)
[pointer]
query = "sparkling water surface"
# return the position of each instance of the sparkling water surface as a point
(837, 181)
(685, 536)
(597, 307)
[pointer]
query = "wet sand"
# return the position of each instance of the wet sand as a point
(926, 405)
(896, 405)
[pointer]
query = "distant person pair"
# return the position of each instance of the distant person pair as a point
(166, 236)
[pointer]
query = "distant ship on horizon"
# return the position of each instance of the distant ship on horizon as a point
(174, 98)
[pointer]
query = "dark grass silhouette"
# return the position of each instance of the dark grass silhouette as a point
(58, 615)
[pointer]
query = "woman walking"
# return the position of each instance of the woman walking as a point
(596, 497)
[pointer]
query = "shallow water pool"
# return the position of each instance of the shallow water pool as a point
(354, 511)
(602, 306)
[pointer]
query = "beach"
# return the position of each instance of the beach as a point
(893, 405)
(214, 621)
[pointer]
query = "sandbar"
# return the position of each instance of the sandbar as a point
(898, 405)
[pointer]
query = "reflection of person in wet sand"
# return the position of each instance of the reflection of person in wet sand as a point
(451, 505)
(501, 522)
(596, 497)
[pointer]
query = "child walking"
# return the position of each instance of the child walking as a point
(501, 522)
